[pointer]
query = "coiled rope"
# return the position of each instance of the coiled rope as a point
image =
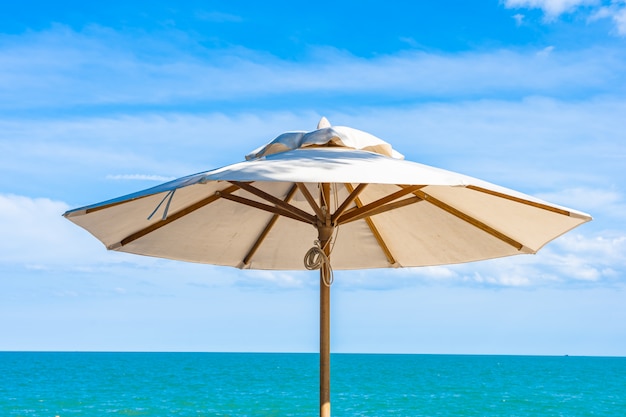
(315, 258)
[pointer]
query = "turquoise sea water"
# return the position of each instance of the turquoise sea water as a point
(248, 384)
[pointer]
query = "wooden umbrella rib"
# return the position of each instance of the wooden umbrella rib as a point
(80, 212)
(353, 195)
(469, 219)
(311, 200)
(364, 210)
(106, 206)
(372, 226)
(520, 200)
(301, 214)
(306, 218)
(173, 217)
(267, 229)
(380, 241)
(381, 209)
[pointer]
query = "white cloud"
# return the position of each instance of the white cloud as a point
(620, 21)
(276, 280)
(513, 144)
(37, 237)
(608, 248)
(594, 259)
(545, 52)
(34, 233)
(551, 8)
(607, 202)
(409, 41)
(61, 68)
(616, 12)
(139, 177)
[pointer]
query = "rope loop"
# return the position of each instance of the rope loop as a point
(314, 259)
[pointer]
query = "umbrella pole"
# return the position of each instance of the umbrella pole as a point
(324, 348)
(325, 232)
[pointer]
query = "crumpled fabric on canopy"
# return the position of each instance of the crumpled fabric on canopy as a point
(326, 135)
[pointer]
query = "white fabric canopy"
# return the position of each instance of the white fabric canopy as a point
(453, 218)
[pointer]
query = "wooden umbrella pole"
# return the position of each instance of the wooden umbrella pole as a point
(324, 348)
(324, 234)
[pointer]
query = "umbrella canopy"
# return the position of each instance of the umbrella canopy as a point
(388, 212)
(344, 191)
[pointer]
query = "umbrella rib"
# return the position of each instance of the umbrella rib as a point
(83, 211)
(384, 208)
(309, 219)
(305, 192)
(381, 242)
(520, 200)
(266, 230)
(353, 195)
(155, 226)
(365, 210)
(370, 223)
(280, 204)
(469, 219)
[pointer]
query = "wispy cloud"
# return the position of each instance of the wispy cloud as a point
(616, 12)
(512, 143)
(593, 9)
(35, 234)
(593, 258)
(61, 68)
(519, 18)
(608, 202)
(218, 17)
(139, 177)
(551, 8)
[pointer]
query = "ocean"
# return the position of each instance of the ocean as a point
(286, 384)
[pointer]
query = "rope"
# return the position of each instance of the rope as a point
(169, 194)
(315, 259)
(336, 231)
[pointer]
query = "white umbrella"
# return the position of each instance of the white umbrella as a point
(334, 193)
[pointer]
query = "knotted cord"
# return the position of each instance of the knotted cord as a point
(315, 258)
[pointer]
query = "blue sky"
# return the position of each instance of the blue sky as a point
(96, 102)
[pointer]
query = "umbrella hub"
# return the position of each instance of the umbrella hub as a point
(324, 234)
